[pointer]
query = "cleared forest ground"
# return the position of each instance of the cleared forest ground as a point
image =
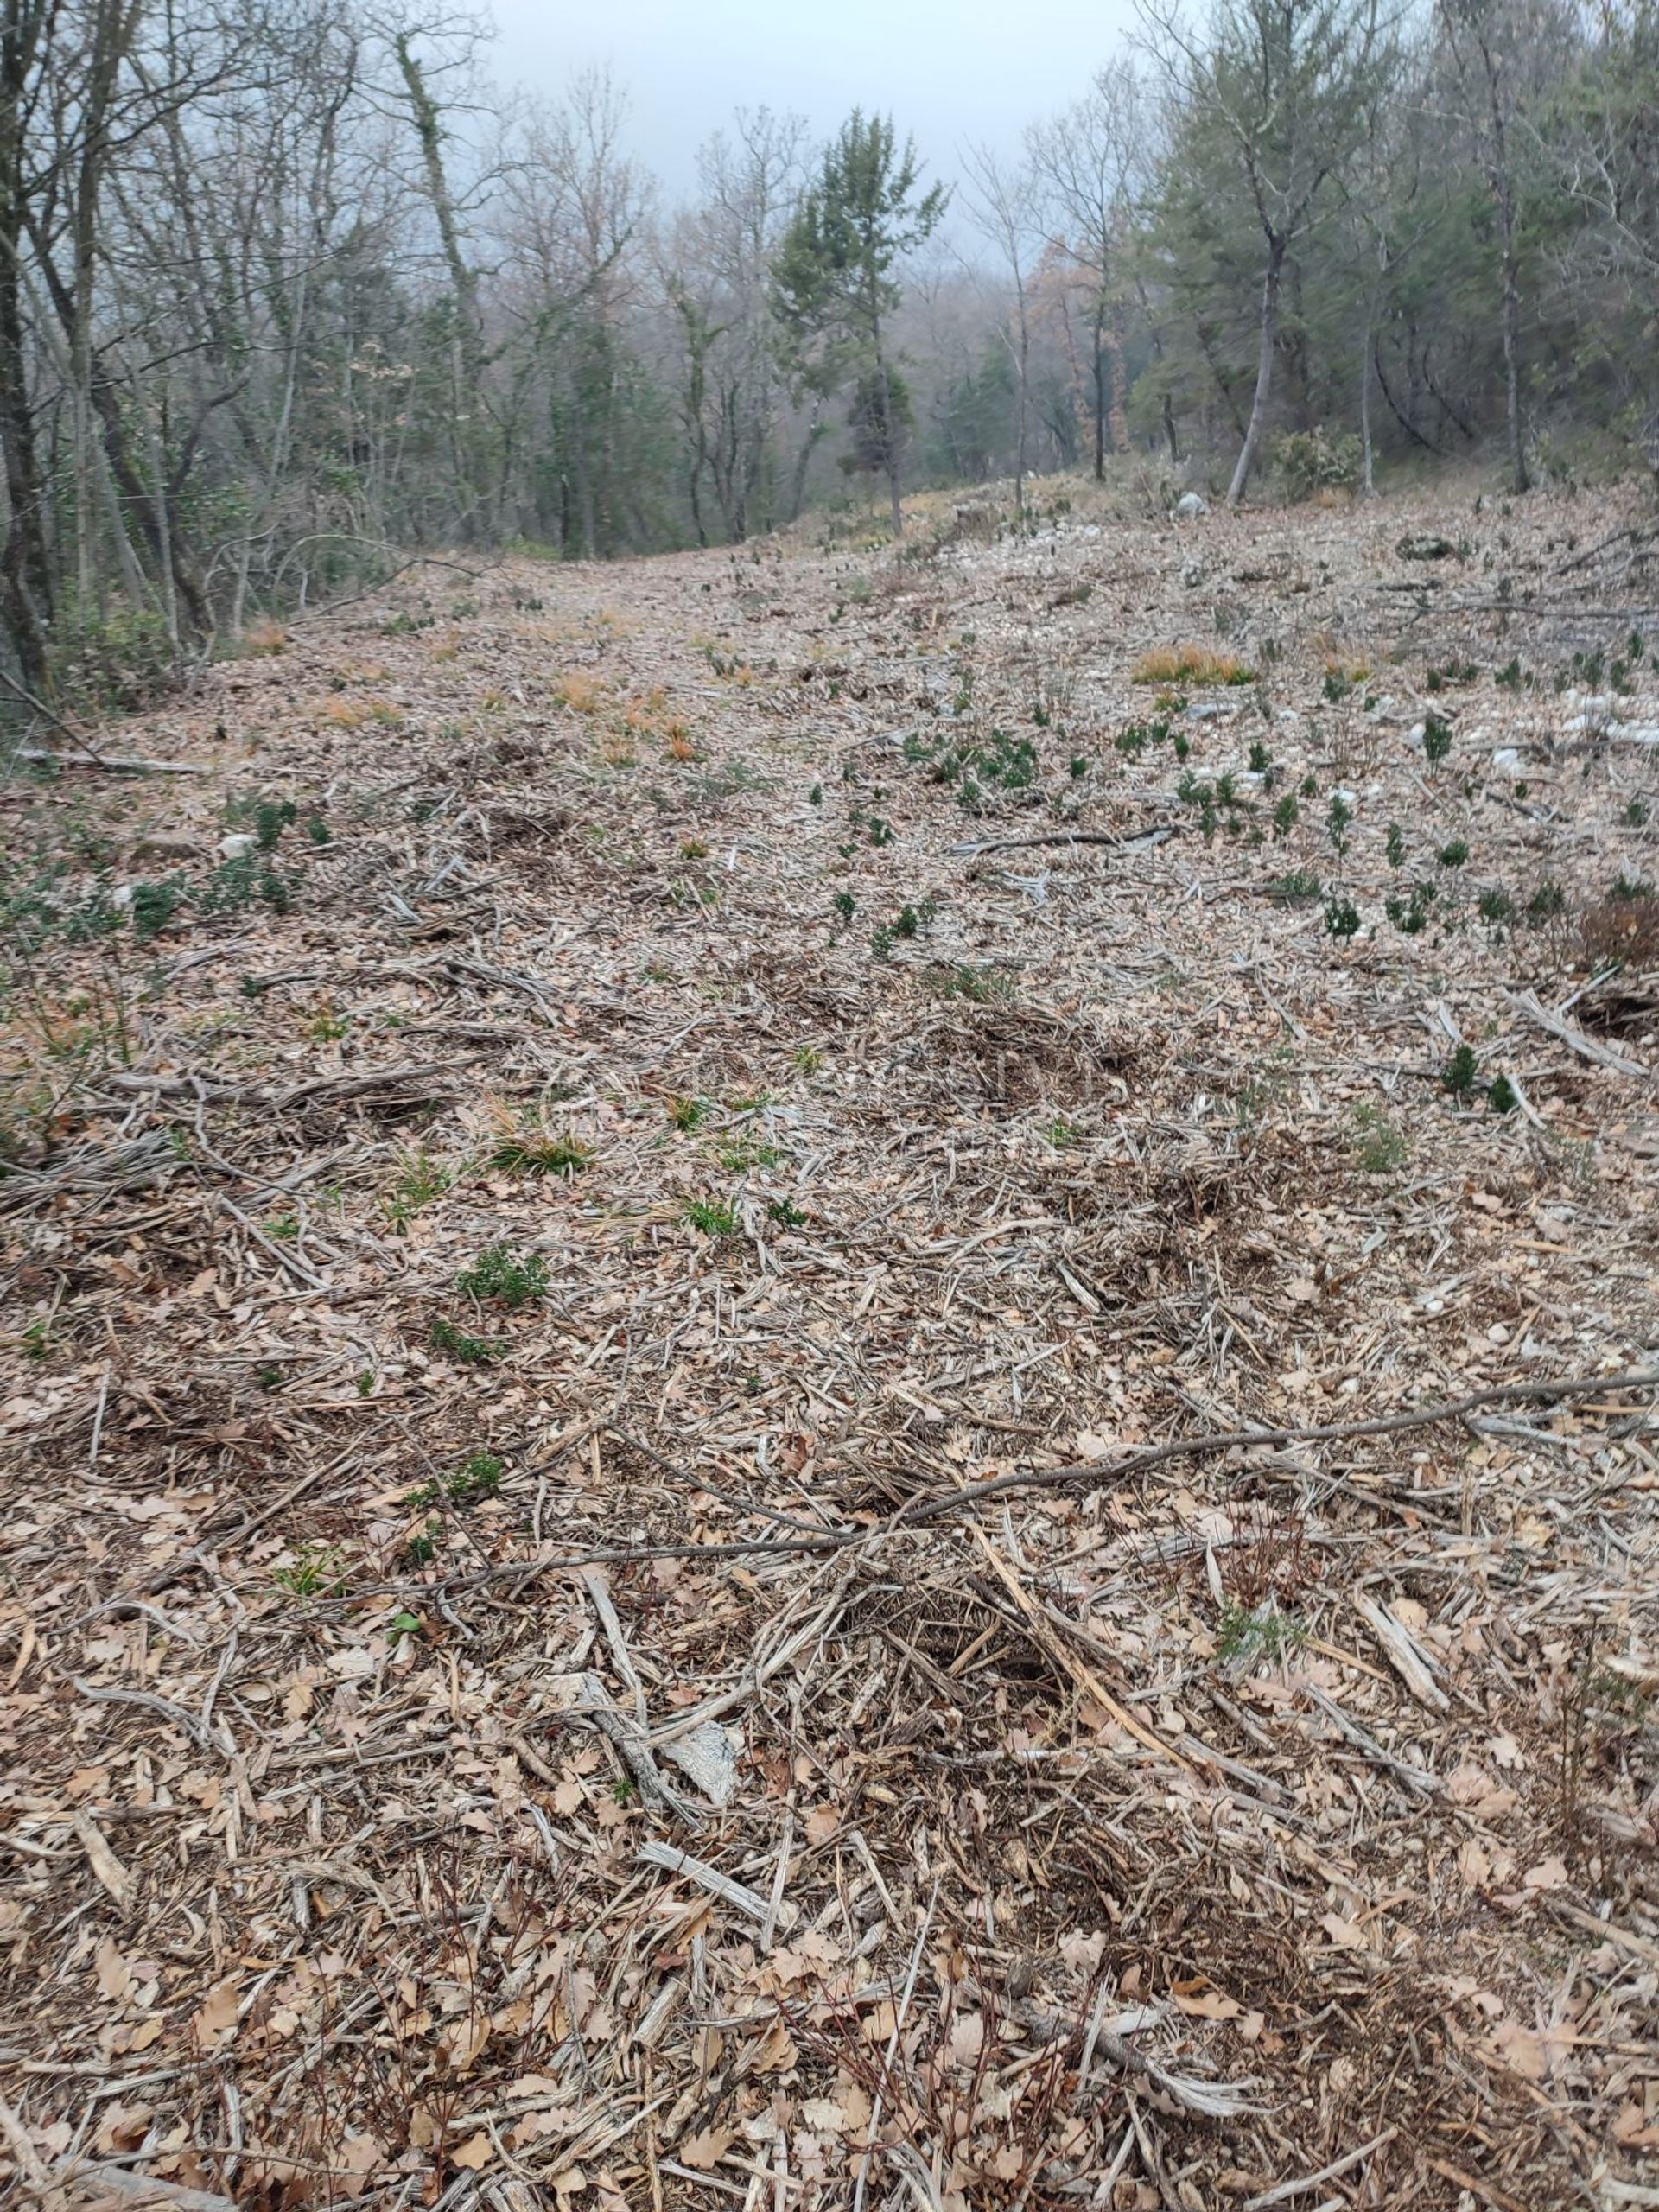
(509, 1266)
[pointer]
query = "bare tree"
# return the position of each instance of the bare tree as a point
(1091, 165)
(715, 270)
(1274, 100)
(1004, 206)
(1482, 37)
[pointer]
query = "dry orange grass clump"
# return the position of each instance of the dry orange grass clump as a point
(583, 695)
(1189, 664)
(1621, 930)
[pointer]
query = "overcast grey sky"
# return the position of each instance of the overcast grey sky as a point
(947, 70)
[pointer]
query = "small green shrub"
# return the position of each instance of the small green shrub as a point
(1253, 1636)
(480, 1478)
(982, 986)
(1314, 460)
(153, 906)
(535, 1153)
(270, 818)
(500, 1274)
(1437, 739)
(467, 1352)
(1341, 917)
(117, 665)
(1380, 1146)
(419, 1181)
(316, 1572)
(1410, 914)
(711, 1217)
(1461, 1074)
(1300, 889)
(240, 883)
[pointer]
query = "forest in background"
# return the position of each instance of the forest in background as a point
(288, 289)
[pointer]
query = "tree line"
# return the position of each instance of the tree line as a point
(285, 287)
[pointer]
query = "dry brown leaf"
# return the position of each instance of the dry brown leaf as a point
(214, 2020)
(703, 2152)
(114, 1974)
(1549, 1874)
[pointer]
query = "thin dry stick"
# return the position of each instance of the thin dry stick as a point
(1195, 1447)
(920, 1511)
(1287, 2190)
(862, 2183)
(970, 849)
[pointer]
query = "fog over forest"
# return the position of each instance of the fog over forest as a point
(288, 283)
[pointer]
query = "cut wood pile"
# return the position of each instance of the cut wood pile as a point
(830, 1381)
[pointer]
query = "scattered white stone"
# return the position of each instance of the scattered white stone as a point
(1506, 759)
(1189, 506)
(122, 895)
(237, 846)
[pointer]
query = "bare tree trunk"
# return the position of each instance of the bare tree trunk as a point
(1025, 408)
(890, 441)
(1120, 417)
(803, 459)
(1518, 474)
(1100, 390)
(1503, 184)
(465, 352)
(25, 568)
(1269, 335)
(1368, 480)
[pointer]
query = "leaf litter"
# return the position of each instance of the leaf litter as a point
(723, 1478)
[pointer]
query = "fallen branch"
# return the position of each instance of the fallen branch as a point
(970, 849)
(920, 1511)
(136, 2189)
(1573, 1037)
(672, 1860)
(1204, 2100)
(1246, 1439)
(118, 764)
(211, 1091)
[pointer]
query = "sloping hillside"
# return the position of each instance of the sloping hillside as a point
(727, 1285)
